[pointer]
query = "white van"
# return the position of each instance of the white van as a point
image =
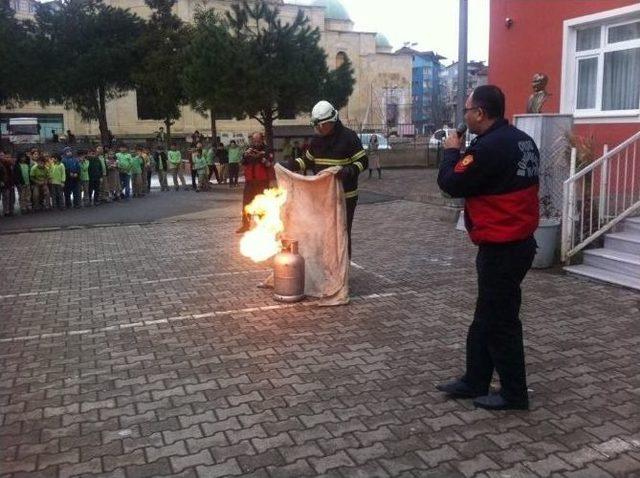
(24, 130)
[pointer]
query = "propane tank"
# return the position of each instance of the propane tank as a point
(288, 273)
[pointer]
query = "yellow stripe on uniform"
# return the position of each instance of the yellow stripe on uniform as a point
(300, 162)
(358, 155)
(359, 165)
(310, 156)
(351, 194)
(333, 162)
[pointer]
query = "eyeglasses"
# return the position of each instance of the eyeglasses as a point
(466, 110)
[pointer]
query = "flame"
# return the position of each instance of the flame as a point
(263, 241)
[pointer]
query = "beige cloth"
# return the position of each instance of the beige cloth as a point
(315, 215)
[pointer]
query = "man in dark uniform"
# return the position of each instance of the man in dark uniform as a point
(498, 177)
(334, 145)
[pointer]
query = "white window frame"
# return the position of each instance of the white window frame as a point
(569, 80)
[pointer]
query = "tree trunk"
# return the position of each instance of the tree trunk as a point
(214, 130)
(267, 122)
(102, 117)
(167, 124)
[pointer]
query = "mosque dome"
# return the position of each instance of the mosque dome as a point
(334, 9)
(382, 41)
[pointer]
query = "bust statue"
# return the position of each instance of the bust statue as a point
(539, 95)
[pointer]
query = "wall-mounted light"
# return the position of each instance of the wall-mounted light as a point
(508, 22)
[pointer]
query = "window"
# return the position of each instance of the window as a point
(602, 64)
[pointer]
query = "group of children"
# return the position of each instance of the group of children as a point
(221, 162)
(50, 181)
(82, 178)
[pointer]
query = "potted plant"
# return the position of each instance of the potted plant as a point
(553, 170)
(552, 174)
(548, 233)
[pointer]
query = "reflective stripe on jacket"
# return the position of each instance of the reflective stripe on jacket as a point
(340, 148)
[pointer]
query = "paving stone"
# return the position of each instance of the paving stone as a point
(363, 455)
(250, 463)
(322, 465)
(621, 466)
(196, 444)
(223, 453)
(548, 466)
(84, 468)
(110, 462)
(71, 456)
(297, 469)
(176, 448)
(439, 455)
(230, 467)
(179, 463)
(161, 467)
(476, 465)
(175, 364)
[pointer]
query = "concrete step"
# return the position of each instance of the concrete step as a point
(624, 242)
(602, 275)
(632, 225)
(613, 261)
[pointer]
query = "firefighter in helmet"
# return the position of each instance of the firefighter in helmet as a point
(334, 145)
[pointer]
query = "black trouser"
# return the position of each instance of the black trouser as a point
(234, 171)
(251, 190)
(351, 209)
(194, 175)
(494, 340)
(213, 170)
(148, 180)
(72, 186)
(94, 190)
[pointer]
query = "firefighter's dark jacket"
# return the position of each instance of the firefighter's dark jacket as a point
(340, 148)
(498, 177)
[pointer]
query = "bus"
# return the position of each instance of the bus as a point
(24, 130)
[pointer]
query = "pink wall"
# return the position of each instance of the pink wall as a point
(534, 44)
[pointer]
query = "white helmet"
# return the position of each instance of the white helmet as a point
(323, 112)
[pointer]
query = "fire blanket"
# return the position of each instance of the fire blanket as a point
(314, 214)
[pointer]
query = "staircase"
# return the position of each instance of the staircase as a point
(618, 262)
(602, 202)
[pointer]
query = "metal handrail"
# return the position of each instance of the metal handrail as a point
(600, 196)
(603, 158)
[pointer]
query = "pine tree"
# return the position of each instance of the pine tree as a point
(160, 92)
(89, 51)
(283, 69)
(212, 72)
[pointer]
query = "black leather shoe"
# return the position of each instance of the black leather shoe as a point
(498, 402)
(459, 389)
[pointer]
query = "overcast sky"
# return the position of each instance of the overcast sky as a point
(433, 24)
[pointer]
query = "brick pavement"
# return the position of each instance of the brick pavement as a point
(146, 350)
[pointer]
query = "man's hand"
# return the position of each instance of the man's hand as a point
(337, 170)
(453, 141)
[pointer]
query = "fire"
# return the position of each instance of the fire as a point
(263, 241)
